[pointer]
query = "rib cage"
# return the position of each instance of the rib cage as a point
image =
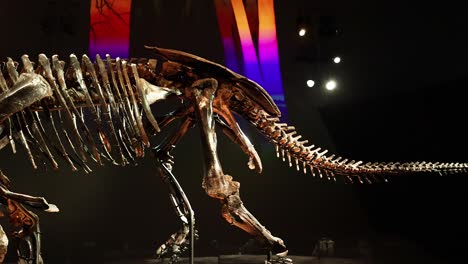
(331, 167)
(105, 91)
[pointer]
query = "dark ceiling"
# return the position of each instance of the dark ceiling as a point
(388, 47)
(402, 89)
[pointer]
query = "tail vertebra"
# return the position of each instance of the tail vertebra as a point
(300, 153)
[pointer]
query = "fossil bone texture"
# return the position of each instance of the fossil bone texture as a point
(84, 110)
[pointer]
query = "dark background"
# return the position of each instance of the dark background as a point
(401, 97)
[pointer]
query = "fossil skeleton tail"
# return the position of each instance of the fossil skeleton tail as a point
(300, 153)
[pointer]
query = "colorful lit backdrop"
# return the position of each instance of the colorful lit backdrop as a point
(110, 27)
(250, 44)
(248, 34)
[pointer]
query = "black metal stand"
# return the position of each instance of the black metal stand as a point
(177, 190)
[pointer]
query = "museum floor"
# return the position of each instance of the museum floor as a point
(248, 259)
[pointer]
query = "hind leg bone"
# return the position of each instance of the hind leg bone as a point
(219, 185)
(177, 243)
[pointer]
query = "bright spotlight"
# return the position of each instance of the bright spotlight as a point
(310, 83)
(331, 85)
(302, 32)
(336, 60)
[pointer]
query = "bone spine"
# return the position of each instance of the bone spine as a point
(287, 143)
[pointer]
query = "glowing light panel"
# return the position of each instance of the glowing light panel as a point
(109, 27)
(249, 53)
(260, 63)
(268, 51)
(225, 21)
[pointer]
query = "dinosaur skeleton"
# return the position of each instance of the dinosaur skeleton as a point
(116, 94)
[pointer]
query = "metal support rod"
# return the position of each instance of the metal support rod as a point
(180, 193)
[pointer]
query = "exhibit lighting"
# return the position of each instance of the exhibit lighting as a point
(302, 25)
(226, 21)
(110, 28)
(249, 54)
(310, 83)
(331, 85)
(302, 32)
(337, 59)
(268, 53)
(253, 49)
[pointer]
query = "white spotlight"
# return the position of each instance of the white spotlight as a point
(336, 59)
(310, 83)
(331, 85)
(302, 32)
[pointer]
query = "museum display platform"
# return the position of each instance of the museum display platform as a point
(247, 259)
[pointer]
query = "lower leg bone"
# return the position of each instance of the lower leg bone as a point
(234, 211)
(216, 183)
(178, 241)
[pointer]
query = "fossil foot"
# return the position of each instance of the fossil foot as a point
(172, 252)
(279, 260)
(279, 248)
(258, 245)
(174, 247)
(280, 253)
